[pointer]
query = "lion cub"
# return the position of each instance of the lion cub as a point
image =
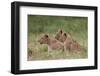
(67, 40)
(53, 44)
(60, 36)
(70, 44)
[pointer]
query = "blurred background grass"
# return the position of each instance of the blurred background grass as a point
(38, 24)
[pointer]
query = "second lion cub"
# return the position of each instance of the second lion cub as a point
(53, 44)
(68, 41)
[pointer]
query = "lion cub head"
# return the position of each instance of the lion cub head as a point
(52, 43)
(61, 35)
(44, 39)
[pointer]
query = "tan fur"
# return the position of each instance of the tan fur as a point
(60, 35)
(69, 42)
(75, 46)
(52, 43)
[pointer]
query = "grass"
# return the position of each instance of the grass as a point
(38, 25)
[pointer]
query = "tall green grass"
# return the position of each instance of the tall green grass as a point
(38, 24)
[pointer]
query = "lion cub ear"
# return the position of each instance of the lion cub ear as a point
(65, 34)
(46, 35)
(60, 31)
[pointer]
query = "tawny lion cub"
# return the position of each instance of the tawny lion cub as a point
(67, 40)
(70, 44)
(60, 36)
(53, 44)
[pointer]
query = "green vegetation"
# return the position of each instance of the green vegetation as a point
(38, 25)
